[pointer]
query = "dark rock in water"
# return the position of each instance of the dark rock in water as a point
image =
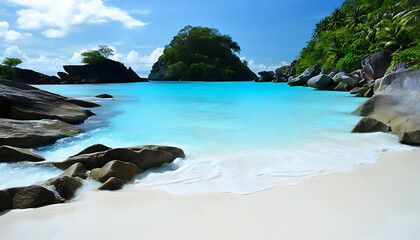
(82, 103)
(31, 197)
(144, 157)
(396, 103)
(93, 149)
(119, 169)
(375, 65)
(302, 79)
(26, 134)
(32, 77)
(368, 125)
(5, 201)
(341, 87)
(26, 103)
(322, 82)
(290, 72)
(75, 170)
(112, 184)
(350, 81)
(108, 71)
(265, 76)
(104, 96)
(66, 186)
(14, 154)
(410, 138)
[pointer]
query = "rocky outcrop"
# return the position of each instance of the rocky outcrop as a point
(18, 101)
(321, 82)
(396, 103)
(14, 154)
(31, 197)
(302, 79)
(93, 149)
(104, 96)
(32, 77)
(112, 184)
(265, 76)
(108, 71)
(75, 170)
(367, 125)
(375, 65)
(81, 103)
(5, 201)
(119, 169)
(66, 186)
(345, 81)
(27, 134)
(290, 72)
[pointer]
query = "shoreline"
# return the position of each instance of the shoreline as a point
(375, 201)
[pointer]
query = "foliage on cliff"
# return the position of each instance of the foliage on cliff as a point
(97, 56)
(7, 67)
(358, 27)
(201, 53)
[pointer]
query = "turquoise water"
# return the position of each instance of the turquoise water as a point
(238, 137)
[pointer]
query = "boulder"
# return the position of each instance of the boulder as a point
(153, 158)
(265, 76)
(174, 151)
(333, 73)
(290, 72)
(397, 103)
(410, 138)
(31, 197)
(108, 71)
(368, 125)
(5, 201)
(104, 96)
(15, 154)
(66, 186)
(75, 170)
(322, 82)
(375, 65)
(119, 169)
(82, 103)
(302, 79)
(112, 184)
(22, 103)
(341, 87)
(32, 77)
(350, 81)
(26, 134)
(93, 149)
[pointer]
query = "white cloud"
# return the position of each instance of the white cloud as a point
(50, 64)
(258, 67)
(10, 35)
(57, 17)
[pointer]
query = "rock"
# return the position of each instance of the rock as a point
(5, 201)
(119, 169)
(31, 197)
(290, 72)
(326, 71)
(108, 71)
(93, 149)
(357, 90)
(368, 125)
(32, 77)
(333, 73)
(14, 154)
(410, 138)
(66, 186)
(396, 103)
(27, 134)
(349, 80)
(104, 96)
(144, 157)
(322, 82)
(302, 79)
(375, 65)
(112, 184)
(341, 87)
(368, 93)
(75, 170)
(22, 103)
(82, 103)
(265, 76)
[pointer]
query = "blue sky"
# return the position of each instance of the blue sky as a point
(47, 34)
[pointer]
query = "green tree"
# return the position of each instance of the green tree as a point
(97, 56)
(7, 68)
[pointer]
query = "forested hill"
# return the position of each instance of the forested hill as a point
(359, 27)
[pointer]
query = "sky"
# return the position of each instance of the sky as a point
(47, 34)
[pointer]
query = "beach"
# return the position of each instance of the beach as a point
(376, 201)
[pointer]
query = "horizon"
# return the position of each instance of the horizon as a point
(48, 34)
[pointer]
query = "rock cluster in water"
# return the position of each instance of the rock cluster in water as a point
(113, 167)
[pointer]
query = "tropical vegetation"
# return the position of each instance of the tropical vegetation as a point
(97, 56)
(359, 27)
(7, 67)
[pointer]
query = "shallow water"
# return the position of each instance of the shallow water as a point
(238, 137)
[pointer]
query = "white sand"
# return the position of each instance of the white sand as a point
(377, 201)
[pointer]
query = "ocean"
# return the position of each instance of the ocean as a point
(238, 137)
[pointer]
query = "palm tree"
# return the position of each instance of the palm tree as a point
(319, 28)
(335, 19)
(393, 36)
(356, 16)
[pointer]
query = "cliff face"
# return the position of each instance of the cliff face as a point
(32, 77)
(106, 72)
